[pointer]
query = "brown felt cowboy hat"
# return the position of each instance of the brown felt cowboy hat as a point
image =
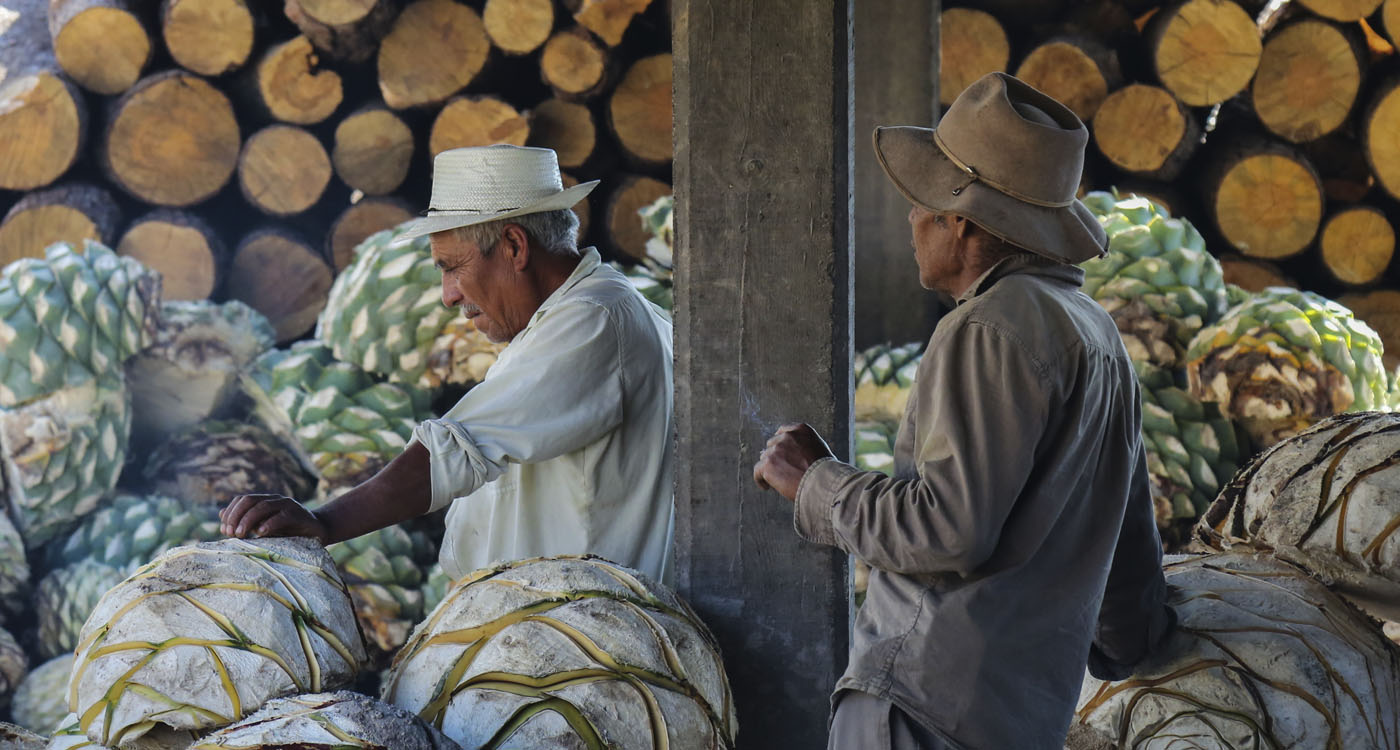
(1007, 158)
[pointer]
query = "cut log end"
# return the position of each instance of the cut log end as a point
(565, 127)
(70, 213)
(609, 19)
(640, 110)
(1267, 205)
(625, 230)
(1252, 275)
(518, 27)
(477, 121)
(1390, 20)
(581, 209)
(209, 37)
(1078, 74)
(172, 141)
(102, 47)
(1205, 51)
(283, 170)
(373, 151)
(282, 277)
(45, 123)
(1357, 244)
(1144, 130)
(184, 249)
(1381, 137)
(292, 85)
(573, 64)
(1346, 11)
(343, 29)
(1308, 79)
(971, 44)
(435, 48)
(358, 222)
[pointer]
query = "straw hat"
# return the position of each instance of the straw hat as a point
(1006, 157)
(485, 183)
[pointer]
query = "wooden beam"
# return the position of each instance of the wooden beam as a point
(762, 177)
(896, 83)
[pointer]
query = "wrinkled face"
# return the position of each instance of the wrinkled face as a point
(935, 249)
(485, 287)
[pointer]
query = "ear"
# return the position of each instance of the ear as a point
(517, 246)
(961, 226)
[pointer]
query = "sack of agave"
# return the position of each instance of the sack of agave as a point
(565, 652)
(327, 721)
(206, 634)
(1263, 657)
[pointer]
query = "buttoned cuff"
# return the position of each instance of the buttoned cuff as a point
(816, 500)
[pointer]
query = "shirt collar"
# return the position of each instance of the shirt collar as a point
(1023, 263)
(586, 266)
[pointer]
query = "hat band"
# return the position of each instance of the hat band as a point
(474, 211)
(974, 176)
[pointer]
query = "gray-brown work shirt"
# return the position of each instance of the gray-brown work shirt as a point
(1018, 526)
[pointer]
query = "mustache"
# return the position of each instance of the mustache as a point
(470, 310)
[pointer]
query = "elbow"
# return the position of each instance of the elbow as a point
(961, 556)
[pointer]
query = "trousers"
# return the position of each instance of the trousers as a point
(865, 722)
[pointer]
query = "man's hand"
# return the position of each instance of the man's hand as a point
(790, 451)
(270, 515)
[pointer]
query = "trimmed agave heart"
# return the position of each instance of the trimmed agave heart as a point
(328, 721)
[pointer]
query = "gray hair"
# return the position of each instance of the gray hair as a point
(555, 232)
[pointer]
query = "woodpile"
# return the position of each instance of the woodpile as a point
(1274, 128)
(245, 149)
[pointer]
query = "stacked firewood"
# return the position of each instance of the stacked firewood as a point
(244, 149)
(1273, 126)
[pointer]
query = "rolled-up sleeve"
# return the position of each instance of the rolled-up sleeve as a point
(982, 408)
(555, 390)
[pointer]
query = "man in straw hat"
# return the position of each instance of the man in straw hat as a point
(1016, 539)
(565, 448)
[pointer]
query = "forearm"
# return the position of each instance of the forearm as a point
(402, 490)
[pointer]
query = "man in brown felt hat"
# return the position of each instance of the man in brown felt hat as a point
(1015, 541)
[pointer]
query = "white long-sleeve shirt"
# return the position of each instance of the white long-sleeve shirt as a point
(565, 447)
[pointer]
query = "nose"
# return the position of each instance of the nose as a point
(912, 211)
(450, 296)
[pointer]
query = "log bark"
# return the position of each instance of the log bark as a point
(185, 250)
(1251, 274)
(283, 170)
(1308, 79)
(208, 37)
(1346, 177)
(70, 212)
(1144, 130)
(358, 222)
(100, 44)
(290, 84)
(434, 50)
(518, 27)
(1076, 70)
(574, 65)
(972, 43)
(42, 114)
(1265, 197)
(171, 140)
(1346, 11)
(278, 274)
(609, 19)
(565, 127)
(1204, 51)
(583, 209)
(639, 111)
(1380, 136)
(625, 233)
(1024, 12)
(1356, 245)
(477, 121)
(1380, 309)
(347, 30)
(373, 150)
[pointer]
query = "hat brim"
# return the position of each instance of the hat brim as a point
(441, 221)
(925, 175)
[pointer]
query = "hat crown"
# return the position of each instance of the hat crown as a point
(493, 179)
(1040, 158)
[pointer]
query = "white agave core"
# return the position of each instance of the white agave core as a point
(1263, 657)
(565, 652)
(208, 633)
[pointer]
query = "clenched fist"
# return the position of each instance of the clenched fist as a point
(791, 450)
